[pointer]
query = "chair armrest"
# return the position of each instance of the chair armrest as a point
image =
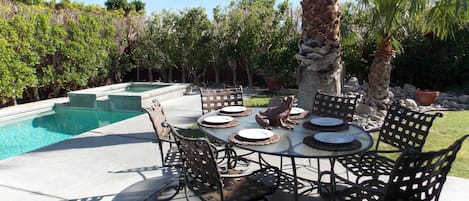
(383, 151)
(168, 140)
(236, 174)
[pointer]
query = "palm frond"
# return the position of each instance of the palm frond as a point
(443, 20)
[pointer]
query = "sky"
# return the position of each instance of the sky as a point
(174, 5)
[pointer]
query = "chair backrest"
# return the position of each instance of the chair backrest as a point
(200, 167)
(334, 106)
(421, 175)
(214, 99)
(404, 128)
(158, 120)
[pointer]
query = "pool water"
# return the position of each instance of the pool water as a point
(25, 135)
(137, 88)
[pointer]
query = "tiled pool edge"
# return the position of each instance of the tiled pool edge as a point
(29, 109)
(122, 100)
(38, 107)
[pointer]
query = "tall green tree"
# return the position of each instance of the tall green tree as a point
(219, 42)
(137, 5)
(192, 32)
(439, 18)
(116, 4)
(17, 58)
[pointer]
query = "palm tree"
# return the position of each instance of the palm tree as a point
(387, 16)
(320, 55)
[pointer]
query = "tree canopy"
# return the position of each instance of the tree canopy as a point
(50, 48)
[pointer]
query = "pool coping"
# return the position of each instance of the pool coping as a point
(29, 109)
(123, 100)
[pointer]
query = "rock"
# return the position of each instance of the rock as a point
(391, 95)
(363, 87)
(465, 107)
(364, 109)
(464, 99)
(381, 113)
(375, 117)
(410, 103)
(348, 88)
(444, 95)
(453, 104)
(353, 82)
(409, 90)
(397, 91)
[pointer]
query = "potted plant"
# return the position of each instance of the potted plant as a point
(426, 97)
(273, 84)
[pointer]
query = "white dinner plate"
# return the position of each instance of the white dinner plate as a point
(326, 121)
(255, 133)
(333, 138)
(234, 109)
(296, 111)
(218, 119)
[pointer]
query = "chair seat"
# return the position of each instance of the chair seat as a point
(376, 192)
(368, 164)
(252, 187)
(173, 157)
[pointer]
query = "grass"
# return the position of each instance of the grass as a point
(260, 100)
(443, 133)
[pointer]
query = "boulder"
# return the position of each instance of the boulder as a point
(381, 113)
(353, 82)
(375, 118)
(409, 90)
(464, 99)
(453, 105)
(363, 87)
(397, 91)
(364, 109)
(410, 103)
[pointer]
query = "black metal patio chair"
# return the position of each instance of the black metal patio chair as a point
(214, 99)
(206, 179)
(340, 107)
(163, 135)
(415, 176)
(402, 129)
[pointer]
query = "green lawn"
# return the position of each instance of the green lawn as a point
(261, 100)
(444, 132)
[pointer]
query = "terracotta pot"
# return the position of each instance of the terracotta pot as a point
(273, 84)
(426, 98)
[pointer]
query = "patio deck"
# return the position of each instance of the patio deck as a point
(99, 164)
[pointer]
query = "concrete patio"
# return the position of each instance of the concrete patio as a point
(99, 164)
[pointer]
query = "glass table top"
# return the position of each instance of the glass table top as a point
(291, 140)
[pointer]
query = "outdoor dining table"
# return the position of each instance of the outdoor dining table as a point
(291, 143)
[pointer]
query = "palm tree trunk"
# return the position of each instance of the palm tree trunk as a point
(320, 55)
(379, 76)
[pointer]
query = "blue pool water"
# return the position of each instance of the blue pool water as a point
(137, 88)
(29, 134)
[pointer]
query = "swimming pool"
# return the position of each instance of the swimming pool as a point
(137, 88)
(26, 134)
(130, 96)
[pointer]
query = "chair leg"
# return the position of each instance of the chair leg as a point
(281, 163)
(319, 175)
